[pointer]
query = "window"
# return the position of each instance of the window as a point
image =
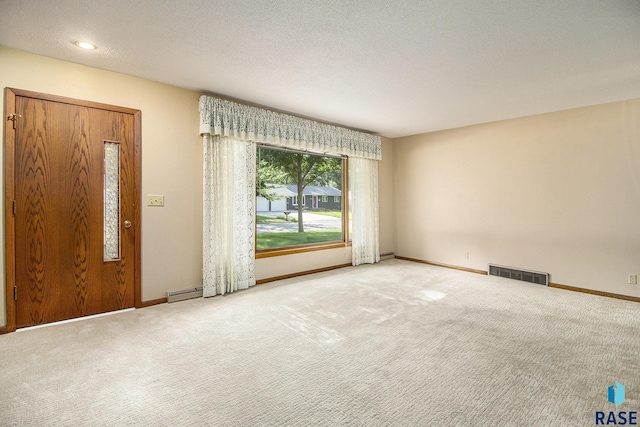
(336, 199)
(111, 201)
(282, 178)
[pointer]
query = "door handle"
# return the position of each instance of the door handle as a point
(127, 224)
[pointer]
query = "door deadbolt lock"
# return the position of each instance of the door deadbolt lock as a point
(127, 224)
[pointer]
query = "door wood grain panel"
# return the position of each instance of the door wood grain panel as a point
(59, 220)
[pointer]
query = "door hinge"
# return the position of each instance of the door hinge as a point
(14, 207)
(13, 117)
(15, 292)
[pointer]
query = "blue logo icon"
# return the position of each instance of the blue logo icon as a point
(616, 394)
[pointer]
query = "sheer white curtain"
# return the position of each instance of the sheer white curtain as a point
(230, 132)
(365, 234)
(229, 214)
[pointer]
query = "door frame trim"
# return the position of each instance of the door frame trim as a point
(9, 192)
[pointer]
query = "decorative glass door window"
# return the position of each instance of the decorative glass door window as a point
(111, 201)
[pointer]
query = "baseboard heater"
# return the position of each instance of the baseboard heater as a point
(184, 295)
(519, 274)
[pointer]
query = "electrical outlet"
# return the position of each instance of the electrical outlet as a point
(155, 200)
(633, 279)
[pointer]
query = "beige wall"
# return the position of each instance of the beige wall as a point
(557, 192)
(171, 165)
(386, 197)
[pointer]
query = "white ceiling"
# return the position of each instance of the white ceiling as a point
(393, 68)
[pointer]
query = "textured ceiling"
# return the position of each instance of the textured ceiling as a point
(391, 67)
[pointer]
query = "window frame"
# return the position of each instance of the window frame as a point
(309, 247)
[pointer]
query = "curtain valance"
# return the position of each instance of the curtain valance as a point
(230, 119)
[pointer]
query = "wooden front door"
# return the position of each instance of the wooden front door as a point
(75, 211)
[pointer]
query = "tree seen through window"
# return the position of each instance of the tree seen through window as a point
(298, 198)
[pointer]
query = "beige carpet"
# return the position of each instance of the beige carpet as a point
(393, 344)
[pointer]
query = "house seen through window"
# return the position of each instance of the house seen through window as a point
(298, 199)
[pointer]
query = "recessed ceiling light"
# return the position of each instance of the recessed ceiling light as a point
(85, 45)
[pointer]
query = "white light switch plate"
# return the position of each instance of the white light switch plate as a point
(155, 200)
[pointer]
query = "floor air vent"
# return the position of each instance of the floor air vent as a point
(518, 274)
(183, 295)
